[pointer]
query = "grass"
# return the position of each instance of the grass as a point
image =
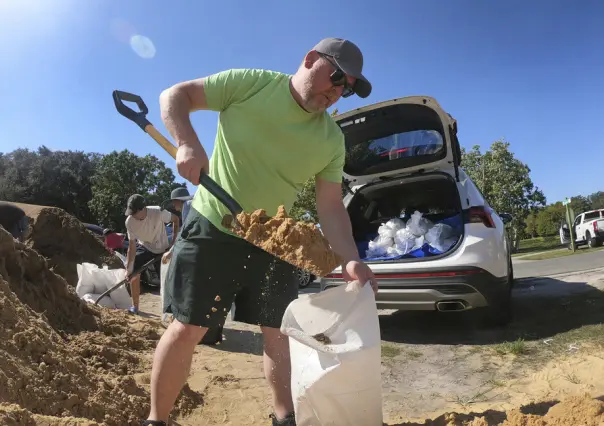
(534, 245)
(390, 351)
(560, 253)
(517, 347)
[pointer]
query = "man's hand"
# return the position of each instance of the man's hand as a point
(166, 257)
(191, 160)
(359, 271)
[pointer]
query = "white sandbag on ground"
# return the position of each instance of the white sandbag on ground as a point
(335, 351)
(95, 280)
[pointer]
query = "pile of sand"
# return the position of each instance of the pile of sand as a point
(60, 357)
(65, 242)
(574, 411)
(300, 243)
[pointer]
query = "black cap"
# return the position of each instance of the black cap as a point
(135, 204)
(349, 58)
(180, 194)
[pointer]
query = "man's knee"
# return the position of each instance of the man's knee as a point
(186, 332)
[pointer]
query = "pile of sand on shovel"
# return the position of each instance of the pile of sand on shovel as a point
(65, 241)
(300, 243)
(63, 362)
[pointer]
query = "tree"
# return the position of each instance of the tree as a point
(121, 174)
(596, 200)
(549, 219)
(505, 182)
(50, 178)
(530, 225)
(581, 204)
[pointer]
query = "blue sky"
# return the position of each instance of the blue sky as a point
(530, 72)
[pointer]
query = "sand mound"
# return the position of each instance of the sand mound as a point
(300, 243)
(62, 358)
(574, 411)
(65, 242)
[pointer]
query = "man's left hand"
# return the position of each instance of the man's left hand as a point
(359, 271)
(166, 257)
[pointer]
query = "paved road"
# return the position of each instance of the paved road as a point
(560, 265)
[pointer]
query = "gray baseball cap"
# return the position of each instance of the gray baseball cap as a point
(349, 58)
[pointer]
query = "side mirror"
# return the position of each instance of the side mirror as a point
(506, 218)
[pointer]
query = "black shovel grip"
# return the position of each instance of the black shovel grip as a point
(217, 191)
(139, 117)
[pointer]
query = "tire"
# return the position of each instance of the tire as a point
(499, 313)
(304, 278)
(592, 242)
(146, 281)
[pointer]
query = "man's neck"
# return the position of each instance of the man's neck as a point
(293, 82)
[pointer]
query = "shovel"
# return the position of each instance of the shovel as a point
(140, 118)
(128, 277)
(213, 188)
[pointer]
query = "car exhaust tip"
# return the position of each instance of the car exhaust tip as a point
(451, 305)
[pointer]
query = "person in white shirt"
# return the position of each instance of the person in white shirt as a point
(147, 224)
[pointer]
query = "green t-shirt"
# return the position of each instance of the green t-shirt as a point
(266, 145)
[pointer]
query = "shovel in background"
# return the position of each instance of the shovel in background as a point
(140, 118)
(128, 277)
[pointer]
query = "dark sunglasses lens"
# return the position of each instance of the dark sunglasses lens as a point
(338, 78)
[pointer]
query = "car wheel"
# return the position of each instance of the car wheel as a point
(147, 281)
(304, 278)
(499, 313)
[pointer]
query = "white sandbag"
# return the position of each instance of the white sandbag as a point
(404, 241)
(105, 301)
(85, 283)
(379, 246)
(95, 280)
(441, 236)
(418, 225)
(388, 229)
(335, 382)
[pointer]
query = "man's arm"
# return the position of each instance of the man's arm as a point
(131, 253)
(175, 229)
(336, 226)
(334, 219)
(215, 92)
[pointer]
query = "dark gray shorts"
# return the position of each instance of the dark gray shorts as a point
(210, 270)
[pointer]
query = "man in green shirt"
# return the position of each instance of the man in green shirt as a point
(274, 133)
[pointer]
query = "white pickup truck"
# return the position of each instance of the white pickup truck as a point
(589, 228)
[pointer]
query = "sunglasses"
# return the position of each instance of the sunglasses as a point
(338, 78)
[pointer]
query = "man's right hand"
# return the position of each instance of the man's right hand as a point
(190, 161)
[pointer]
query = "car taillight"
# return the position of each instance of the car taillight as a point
(595, 223)
(481, 215)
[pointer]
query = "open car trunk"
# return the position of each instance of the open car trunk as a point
(407, 219)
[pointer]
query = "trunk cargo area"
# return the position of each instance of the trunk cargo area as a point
(407, 219)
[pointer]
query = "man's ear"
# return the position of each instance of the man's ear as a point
(310, 59)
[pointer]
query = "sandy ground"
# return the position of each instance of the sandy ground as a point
(434, 363)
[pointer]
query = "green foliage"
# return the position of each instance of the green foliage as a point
(504, 181)
(49, 178)
(121, 174)
(550, 218)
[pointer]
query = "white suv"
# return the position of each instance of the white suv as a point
(403, 170)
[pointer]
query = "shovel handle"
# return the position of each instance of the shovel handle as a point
(140, 118)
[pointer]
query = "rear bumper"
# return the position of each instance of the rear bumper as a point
(424, 290)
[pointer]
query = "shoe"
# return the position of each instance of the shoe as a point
(133, 310)
(289, 420)
(153, 423)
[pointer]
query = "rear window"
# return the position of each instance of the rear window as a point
(592, 216)
(392, 138)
